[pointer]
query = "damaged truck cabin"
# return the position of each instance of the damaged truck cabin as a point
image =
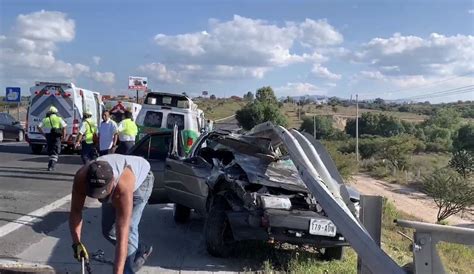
(255, 193)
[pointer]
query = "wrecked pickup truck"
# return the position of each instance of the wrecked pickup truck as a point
(245, 186)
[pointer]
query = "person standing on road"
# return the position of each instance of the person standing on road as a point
(127, 133)
(123, 184)
(54, 129)
(87, 134)
(108, 134)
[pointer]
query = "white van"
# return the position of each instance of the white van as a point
(161, 111)
(71, 102)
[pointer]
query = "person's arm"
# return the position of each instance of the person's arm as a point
(77, 204)
(79, 135)
(123, 203)
(40, 129)
(63, 124)
(115, 138)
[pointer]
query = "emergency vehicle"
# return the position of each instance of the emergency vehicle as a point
(162, 111)
(71, 102)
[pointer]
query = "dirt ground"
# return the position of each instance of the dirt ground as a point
(408, 200)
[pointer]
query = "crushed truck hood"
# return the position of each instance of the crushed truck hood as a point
(280, 173)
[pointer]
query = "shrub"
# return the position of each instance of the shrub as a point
(463, 162)
(451, 192)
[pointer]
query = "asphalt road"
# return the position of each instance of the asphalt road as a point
(34, 206)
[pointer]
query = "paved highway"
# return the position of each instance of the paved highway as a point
(34, 208)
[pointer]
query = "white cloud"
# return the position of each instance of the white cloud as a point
(374, 75)
(319, 33)
(245, 47)
(323, 72)
(43, 25)
(103, 77)
(96, 60)
(471, 11)
(30, 50)
(299, 89)
(159, 72)
(437, 55)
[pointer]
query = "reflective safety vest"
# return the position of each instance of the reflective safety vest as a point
(53, 121)
(91, 129)
(129, 128)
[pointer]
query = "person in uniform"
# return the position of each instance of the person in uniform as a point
(127, 133)
(87, 134)
(53, 128)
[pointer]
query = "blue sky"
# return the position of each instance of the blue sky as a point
(388, 49)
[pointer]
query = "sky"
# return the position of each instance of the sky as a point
(413, 50)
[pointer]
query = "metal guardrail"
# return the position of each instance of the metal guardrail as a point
(426, 236)
(335, 207)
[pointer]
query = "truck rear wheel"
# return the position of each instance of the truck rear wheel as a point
(36, 149)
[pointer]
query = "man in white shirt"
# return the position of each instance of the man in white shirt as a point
(108, 134)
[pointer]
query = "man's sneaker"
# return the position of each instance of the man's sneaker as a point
(141, 257)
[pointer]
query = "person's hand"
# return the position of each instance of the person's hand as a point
(76, 145)
(80, 252)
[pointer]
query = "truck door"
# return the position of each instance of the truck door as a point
(155, 148)
(186, 180)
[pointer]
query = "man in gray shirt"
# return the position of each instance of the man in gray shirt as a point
(123, 184)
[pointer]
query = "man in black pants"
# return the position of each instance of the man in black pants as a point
(53, 128)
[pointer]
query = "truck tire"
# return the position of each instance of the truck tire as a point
(1, 136)
(21, 136)
(217, 231)
(333, 253)
(181, 213)
(36, 149)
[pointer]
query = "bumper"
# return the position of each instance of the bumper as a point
(280, 225)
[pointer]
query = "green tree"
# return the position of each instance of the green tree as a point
(375, 124)
(444, 118)
(451, 192)
(255, 113)
(397, 150)
(266, 95)
(324, 128)
(249, 96)
(213, 97)
(464, 138)
(463, 162)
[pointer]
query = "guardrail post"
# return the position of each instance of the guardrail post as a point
(371, 218)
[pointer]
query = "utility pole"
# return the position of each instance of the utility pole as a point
(357, 128)
(314, 126)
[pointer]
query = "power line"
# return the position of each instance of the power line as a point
(421, 86)
(466, 89)
(438, 92)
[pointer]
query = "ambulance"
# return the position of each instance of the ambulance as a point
(71, 102)
(162, 111)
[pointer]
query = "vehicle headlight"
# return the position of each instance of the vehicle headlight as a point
(275, 202)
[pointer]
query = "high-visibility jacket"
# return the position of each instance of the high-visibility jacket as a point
(53, 121)
(91, 129)
(127, 130)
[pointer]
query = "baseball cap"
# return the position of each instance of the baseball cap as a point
(99, 176)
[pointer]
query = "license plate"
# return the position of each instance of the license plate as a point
(322, 227)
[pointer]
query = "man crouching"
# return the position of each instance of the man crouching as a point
(123, 184)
